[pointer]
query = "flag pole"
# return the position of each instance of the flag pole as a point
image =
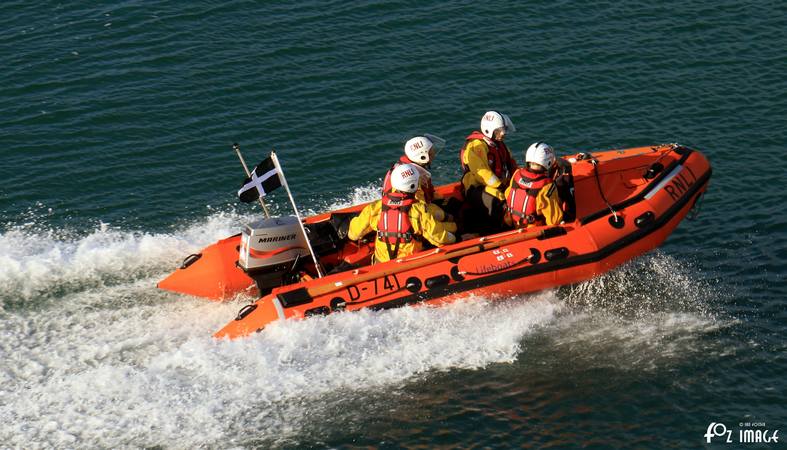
(297, 215)
(236, 147)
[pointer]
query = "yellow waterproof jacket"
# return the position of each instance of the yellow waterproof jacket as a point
(547, 205)
(423, 223)
(475, 157)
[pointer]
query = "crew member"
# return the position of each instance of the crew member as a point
(532, 198)
(401, 220)
(420, 151)
(487, 165)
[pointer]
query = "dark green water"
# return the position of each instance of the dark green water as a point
(115, 126)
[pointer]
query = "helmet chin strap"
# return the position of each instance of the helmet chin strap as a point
(539, 169)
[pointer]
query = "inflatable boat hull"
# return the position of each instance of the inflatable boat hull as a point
(628, 202)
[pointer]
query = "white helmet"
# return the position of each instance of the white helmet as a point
(493, 120)
(422, 149)
(405, 178)
(540, 153)
(417, 150)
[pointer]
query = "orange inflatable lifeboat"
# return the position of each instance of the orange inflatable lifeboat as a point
(627, 203)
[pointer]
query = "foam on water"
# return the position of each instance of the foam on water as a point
(650, 313)
(358, 195)
(656, 282)
(36, 261)
(149, 374)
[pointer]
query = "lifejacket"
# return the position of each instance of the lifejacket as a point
(521, 199)
(394, 225)
(498, 156)
(426, 181)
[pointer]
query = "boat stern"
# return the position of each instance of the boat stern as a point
(212, 273)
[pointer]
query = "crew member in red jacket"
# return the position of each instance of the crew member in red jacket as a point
(532, 196)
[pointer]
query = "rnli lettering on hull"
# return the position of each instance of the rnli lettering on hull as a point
(676, 183)
(286, 237)
(680, 184)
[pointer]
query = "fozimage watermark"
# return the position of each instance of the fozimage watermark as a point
(746, 433)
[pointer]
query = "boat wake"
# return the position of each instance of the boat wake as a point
(649, 314)
(93, 353)
(118, 366)
(37, 263)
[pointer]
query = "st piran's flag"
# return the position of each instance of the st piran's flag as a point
(264, 179)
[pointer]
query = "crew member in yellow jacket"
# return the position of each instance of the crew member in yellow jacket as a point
(400, 219)
(488, 166)
(420, 151)
(532, 196)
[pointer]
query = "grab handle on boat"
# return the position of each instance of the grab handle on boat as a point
(191, 259)
(245, 311)
(654, 169)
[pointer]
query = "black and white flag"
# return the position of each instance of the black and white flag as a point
(264, 179)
